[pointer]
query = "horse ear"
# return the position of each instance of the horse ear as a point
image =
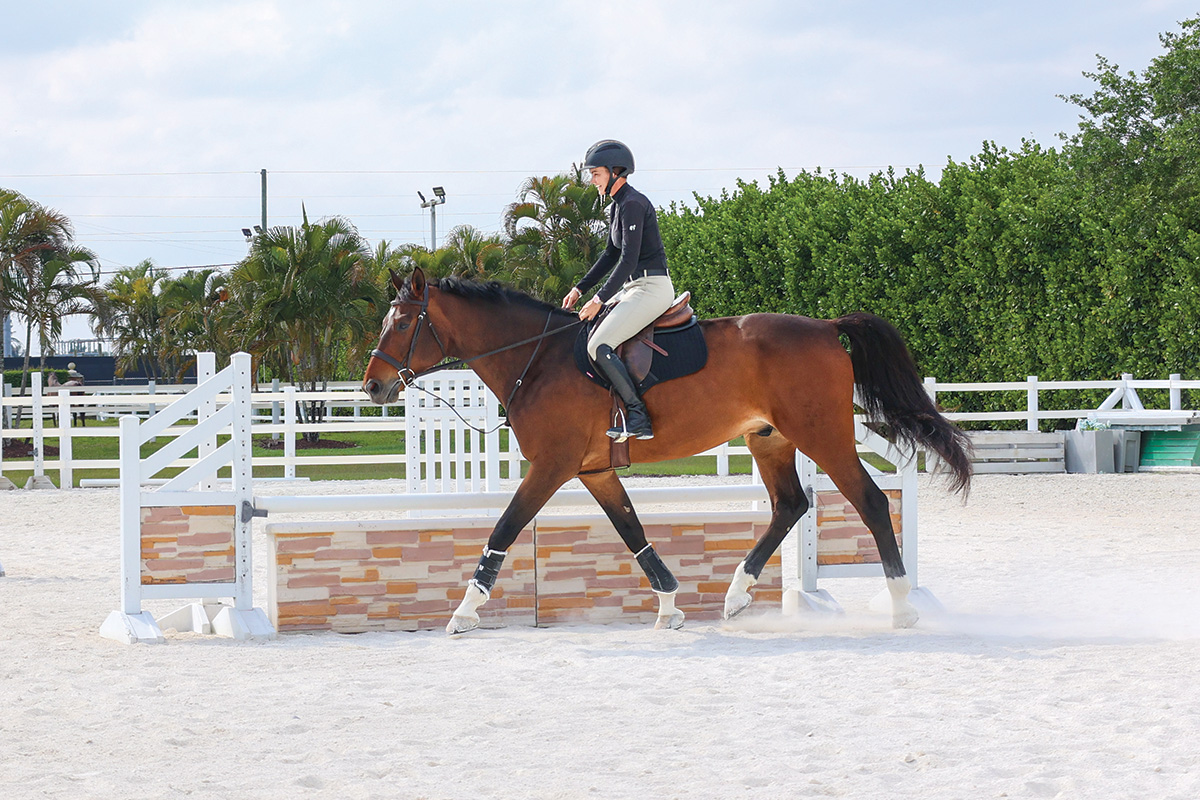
(418, 282)
(397, 281)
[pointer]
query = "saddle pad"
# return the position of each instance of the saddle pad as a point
(686, 353)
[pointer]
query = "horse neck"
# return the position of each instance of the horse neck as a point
(479, 327)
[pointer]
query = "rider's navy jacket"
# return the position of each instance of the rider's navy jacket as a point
(634, 244)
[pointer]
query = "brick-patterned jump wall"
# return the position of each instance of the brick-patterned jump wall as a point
(353, 577)
(842, 538)
(187, 544)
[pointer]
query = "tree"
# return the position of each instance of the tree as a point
(304, 296)
(476, 255)
(130, 312)
(194, 312)
(40, 270)
(555, 233)
(1141, 133)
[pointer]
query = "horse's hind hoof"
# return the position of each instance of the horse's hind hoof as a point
(671, 622)
(736, 604)
(459, 625)
(905, 618)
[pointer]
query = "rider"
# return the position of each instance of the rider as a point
(639, 278)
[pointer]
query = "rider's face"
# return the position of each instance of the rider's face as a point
(600, 177)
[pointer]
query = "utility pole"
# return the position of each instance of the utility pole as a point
(264, 200)
(439, 198)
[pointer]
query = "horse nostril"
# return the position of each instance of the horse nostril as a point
(372, 386)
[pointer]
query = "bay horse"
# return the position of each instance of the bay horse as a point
(784, 382)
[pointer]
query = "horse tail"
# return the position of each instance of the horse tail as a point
(890, 391)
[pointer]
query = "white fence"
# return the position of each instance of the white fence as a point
(1122, 393)
(437, 446)
(275, 415)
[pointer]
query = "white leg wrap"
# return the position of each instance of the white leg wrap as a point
(904, 614)
(738, 597)
(466, 617)
(669, 616)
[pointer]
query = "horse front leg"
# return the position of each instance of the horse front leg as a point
(538, 486)
(610, 494)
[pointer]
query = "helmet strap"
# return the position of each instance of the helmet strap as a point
(613, 177)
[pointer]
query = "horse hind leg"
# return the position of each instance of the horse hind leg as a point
(856, 485)
(776, 459)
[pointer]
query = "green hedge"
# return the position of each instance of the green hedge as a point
(1006, 267)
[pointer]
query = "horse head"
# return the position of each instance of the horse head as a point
(408, 343)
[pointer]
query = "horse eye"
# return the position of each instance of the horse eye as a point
(403, 324)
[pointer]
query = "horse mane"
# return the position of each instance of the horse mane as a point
(495, 293)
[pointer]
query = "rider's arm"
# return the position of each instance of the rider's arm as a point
(603, 264)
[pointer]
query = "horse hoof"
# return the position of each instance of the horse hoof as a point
(905, 618)
(736, 604)
(672, 622)
(459, 625)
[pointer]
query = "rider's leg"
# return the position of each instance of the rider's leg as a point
(637, 420)
(641, 302)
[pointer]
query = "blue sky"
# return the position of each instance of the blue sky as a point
(147, 122)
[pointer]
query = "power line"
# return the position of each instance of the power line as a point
(441, 171)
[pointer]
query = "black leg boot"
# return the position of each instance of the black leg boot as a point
(637, 420)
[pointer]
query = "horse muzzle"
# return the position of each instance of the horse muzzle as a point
(383, 393)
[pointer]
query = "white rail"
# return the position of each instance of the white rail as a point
(275, 415)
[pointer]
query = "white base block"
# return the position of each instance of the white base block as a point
(39, 482)
(192, 618)
(797, 601)
(207, 618)
(251, 623)
(132, 628)
(6, 484)
(921, 598)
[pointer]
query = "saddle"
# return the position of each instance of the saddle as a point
(638, 352)
(670, 347)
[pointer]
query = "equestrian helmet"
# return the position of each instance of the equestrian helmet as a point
(611, 154)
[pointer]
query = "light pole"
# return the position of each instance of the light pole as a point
(438, 199)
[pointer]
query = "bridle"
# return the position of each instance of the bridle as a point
(408, 378)
(403, 371)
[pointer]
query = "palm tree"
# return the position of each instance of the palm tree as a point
(51, 292)
(477, 255)
(129, 311)
(555, 232)
(40, 276)
(194, 310)
(306, 295)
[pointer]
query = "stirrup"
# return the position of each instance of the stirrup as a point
(621, 432)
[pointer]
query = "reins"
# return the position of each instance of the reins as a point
(410, 379)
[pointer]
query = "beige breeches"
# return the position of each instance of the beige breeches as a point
(642, 301)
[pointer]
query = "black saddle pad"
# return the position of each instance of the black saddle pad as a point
(684, 345)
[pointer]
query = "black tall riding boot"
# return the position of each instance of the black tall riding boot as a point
(637, 420)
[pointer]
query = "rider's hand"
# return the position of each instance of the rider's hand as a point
(591, 309)
(571, 299)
